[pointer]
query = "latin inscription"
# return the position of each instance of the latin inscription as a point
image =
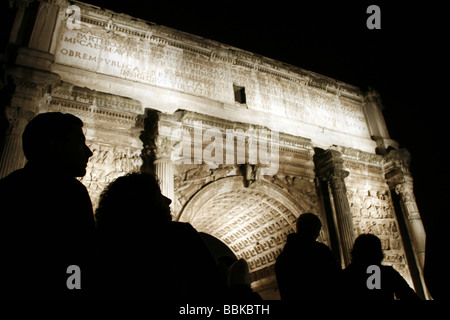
(155, 62)
(143, 61)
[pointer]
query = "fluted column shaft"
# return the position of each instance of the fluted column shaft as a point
(330, 170)
(413, 220)
(164, 166)
(343, 214)
(164, 171)
(400, 182)
(12, 157)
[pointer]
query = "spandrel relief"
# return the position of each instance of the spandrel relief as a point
(106, 164)
(189, 179)
(373, 213)
(303, 189)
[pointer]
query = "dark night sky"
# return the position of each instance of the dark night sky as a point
(403, 60)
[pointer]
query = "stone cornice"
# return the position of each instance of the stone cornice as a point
(98, 114)
(287, 142)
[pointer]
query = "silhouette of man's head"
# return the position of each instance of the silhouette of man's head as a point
(132, 202)
(309, 225)
(56, 141)
(367, 250)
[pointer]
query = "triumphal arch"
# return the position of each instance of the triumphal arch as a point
(241, 143)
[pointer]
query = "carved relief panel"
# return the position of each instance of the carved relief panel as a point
(107, 163)
(373, 212)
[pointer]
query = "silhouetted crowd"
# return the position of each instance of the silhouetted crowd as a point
(307, 269)
(131, 248)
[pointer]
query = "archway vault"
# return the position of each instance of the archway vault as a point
(253, 221)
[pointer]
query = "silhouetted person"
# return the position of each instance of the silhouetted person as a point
(239, 283)
(306, 269)
(236, 276)
(224, 262)
(146, 255)
(367, 251)
(436, 258)
(46, 220)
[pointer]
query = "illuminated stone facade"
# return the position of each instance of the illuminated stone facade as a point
(140, 88)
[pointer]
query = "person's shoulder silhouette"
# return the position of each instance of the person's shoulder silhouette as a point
(306, 269)
(367, 251)
(142, 248)
(239, 282)
(46, 213)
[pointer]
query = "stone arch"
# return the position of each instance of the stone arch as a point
(253, 221)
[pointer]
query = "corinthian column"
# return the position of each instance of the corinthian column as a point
(164, 166)
(330, 169)
(12, 157)
(343, 214)
(30, 92)
(400, 182)
(412, 218)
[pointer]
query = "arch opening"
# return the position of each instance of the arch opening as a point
(252, 221)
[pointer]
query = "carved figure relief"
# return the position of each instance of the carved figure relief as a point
(372, 212)
(301, 188)
(107, 163)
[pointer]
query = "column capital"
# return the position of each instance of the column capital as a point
(373, 96)
(396, 167)
(329, 165)
(406, 192)
(336, 178)
(163, 148)
(17, 118)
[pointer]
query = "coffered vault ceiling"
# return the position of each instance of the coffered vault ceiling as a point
(254, 221)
